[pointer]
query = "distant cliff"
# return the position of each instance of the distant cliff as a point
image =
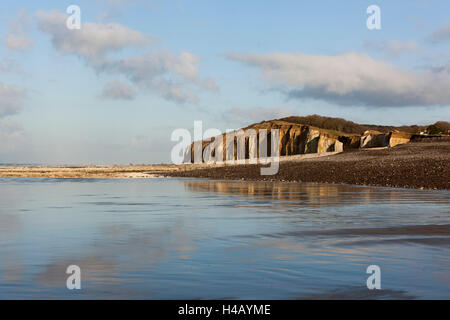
(294, 138)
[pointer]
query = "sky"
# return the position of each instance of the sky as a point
(113, 91)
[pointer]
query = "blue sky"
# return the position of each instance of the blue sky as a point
(114, 91)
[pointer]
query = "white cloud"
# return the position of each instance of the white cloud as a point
(174, 77)
(171, 75)
(441, 34)
(16, 39)
(118, 90)
(93, 41)
(11, 99)
(350, 79)
(18, 42)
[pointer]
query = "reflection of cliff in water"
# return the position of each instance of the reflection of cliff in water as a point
(313, 194)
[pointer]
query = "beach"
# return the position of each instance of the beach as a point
(420, 165)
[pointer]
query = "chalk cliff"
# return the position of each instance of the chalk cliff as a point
(293, 139)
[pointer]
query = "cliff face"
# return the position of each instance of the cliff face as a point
(372, 139)
(299, 139)
(399, 138)
(293, 139)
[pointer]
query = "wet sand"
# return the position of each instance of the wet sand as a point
(358, 293)
(431, 235)
(422, 165)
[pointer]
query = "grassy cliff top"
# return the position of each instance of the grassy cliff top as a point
(342, 125)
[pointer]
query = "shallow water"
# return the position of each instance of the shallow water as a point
(200, 239)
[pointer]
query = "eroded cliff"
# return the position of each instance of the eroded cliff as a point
(255, 141)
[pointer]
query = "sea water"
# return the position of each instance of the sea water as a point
(202, 239)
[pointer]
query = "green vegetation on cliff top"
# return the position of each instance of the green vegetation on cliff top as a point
(342, 125)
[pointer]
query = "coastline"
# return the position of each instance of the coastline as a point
(419, 165)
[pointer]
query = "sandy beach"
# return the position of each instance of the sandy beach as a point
(422, 165)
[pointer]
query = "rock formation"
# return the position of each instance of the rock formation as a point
(372, 139)
(396, 138)
(256, 141)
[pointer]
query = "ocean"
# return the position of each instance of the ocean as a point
(176, 238)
